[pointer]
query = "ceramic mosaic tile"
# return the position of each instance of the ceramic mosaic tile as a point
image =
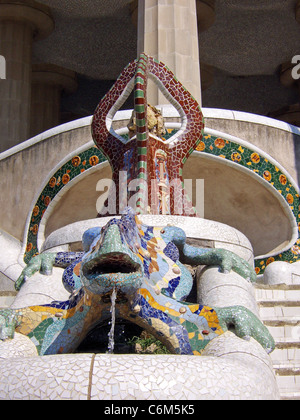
(221, 148)
(219, 375)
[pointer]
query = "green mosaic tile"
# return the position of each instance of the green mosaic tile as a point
(266, 170)
(70, 170)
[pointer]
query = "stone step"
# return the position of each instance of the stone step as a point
(260, 287)
(282, 321)
(290, 396)
(282, 286)
(277, 294)
(289, 384)
(268, 303)
(284, 331)
(287, 343)
(287, 369)
(285, 354)
(279, 310)
(287, 350)
(287, 375)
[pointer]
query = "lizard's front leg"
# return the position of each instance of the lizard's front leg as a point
(246, 325)
(44, 264)
(224, 259)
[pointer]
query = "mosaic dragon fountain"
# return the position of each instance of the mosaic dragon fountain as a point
(142, 266)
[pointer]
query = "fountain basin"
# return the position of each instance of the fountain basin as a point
(231, 369)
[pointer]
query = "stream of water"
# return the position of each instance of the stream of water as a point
(111, 334)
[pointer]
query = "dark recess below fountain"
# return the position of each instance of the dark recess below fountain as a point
(97, 340)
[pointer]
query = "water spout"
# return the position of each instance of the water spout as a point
(111, 335)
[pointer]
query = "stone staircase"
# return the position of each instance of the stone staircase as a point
(279, 307)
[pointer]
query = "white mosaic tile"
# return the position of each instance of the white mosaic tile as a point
(20, 346)
(45, 378)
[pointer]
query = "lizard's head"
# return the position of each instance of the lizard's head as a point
(125, 254)
(112, 256)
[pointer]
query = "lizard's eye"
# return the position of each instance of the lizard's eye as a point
(163, 231)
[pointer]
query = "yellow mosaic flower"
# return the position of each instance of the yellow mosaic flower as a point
(201, 146)
(290, 199)
(76, 161)
(220, 143)
(267, 176)
(36, 211)
(94, 160)
(47, 201)
(65, 179)
(283, 179)
(236, 157)
(34, 229)
(29, 247)
(255, 158)
(52, 182)
(270, 260)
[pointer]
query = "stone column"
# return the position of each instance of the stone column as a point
(21, 21)
(168, 31)
(48, 82)
(219, 290)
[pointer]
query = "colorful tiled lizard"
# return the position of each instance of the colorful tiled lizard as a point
(144, 265)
